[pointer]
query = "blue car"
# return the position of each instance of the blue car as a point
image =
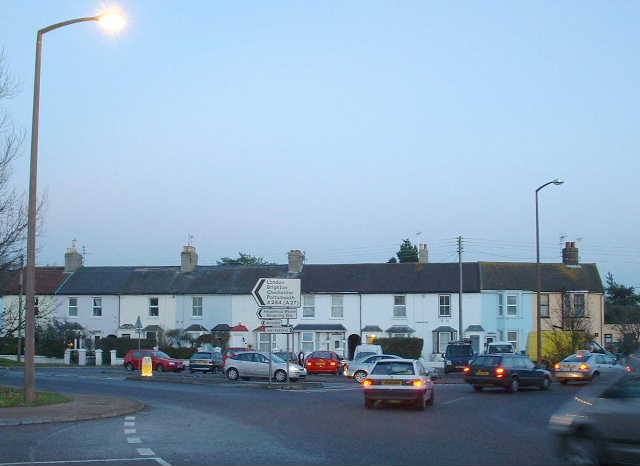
(457, 355)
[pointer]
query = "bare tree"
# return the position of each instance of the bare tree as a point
(12, 316)
(571, 329)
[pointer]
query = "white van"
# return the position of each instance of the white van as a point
(366, 350)
(500, 347)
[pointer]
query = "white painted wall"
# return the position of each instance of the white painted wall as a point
(132, 306)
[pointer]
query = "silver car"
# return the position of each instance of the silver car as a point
(586, 366)
(256, 364)
(360, 368)
(600, 424)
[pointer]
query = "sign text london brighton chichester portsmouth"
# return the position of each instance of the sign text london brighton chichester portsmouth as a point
(278, 293)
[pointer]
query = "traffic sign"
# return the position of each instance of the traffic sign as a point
(279, 329)
(283, 293)
(276, 314)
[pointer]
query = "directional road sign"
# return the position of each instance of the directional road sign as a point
(276, 314)
(279, 329)
(281, 293)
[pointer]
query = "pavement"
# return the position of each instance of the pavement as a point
(82, 408)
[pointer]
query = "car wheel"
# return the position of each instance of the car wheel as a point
(232, 374)
(280, 376)
(564, 382)
(514, 386)
(360, 376)
(128, 366)
(477, 388)
(420, 403)
(546, 384)
(595, 376)
(368, 403)
(159, 368)
(580, 450)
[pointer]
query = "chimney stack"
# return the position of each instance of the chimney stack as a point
(423, 254)
(570, 254)
(188, 259)
(72, 259)
(296, 261)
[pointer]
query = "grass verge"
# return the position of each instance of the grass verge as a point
(11, 397)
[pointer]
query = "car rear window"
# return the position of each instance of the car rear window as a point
(202, 356)
(576, 358)
(500, 349)
(393, 368)
(364, 354)
(487, 361)
(322, 355)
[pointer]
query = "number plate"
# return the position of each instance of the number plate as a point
(482, 373)
(392, 382)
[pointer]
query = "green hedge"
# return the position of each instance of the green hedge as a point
(406, 347)
(123, 345)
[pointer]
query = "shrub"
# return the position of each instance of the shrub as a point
(406, 347)
(122, 345)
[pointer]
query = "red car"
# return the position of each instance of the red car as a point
(160, 361)
(323, 361)
(231, 352)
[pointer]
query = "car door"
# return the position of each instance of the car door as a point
(529, 368)
(261, 365)
(616, 415)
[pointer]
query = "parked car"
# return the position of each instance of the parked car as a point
(323, 361)
(366, 350)
(500, 347)
(585, 365)
(600, 424)
(398, 380)
(457, 355)
(360, 368)
(247, 364)
(509, 371)
(290, 356)
(229, 352)
(160, 361)
(206, 361)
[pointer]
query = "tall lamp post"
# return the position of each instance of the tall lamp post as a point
(538, 277)
(112, 21)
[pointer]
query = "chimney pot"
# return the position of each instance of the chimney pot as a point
(188, 259)
(296, 261)
(72, 259)
(423, 254)
(570, 254)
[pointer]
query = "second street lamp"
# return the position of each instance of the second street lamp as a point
(538, 277)
(111, 21)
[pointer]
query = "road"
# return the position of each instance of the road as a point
(240, 424)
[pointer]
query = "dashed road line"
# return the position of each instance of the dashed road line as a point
(454, 400)
(134, 440)
(129, 431)
(129, 424)
(145, 452)
(130, 418)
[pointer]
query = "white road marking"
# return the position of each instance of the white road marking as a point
(130, 418)
(118, 460)
(145, 452)
(134, 440)
(129, 431)
(129, 424)
(454, 400)
(161, 462)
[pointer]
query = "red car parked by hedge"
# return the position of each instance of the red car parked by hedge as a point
(160, 361)
(323, 361)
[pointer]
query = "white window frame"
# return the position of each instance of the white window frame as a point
(544, 307)
(443, 348)
(575, 305)
(308, 306)
(35, 305)
(304, 342)
(196, 309)
(96, 307)
(515, 342)
(73, 307)
(337, 306)
(155, 307)
(446, 307)
(263, 343)
(400, 310)
(500, 304)
(513, 306)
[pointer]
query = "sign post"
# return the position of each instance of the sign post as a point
(278, 299)
(139, 330)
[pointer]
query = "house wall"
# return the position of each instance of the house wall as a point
(48, 304)
(100, 326)
(132, 306)
(594, 311)
(216, 309)
(497, 326)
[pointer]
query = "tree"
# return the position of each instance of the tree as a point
(393, 260)
(626, 320)
(619, 294)
(244, 259)
(408, 252)
(572, 330)
(13, 313)
(53, 339)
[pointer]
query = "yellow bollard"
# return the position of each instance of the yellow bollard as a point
(147, 367)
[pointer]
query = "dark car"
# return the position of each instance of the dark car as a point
(457, 356)
(508, 371)
(206, 361)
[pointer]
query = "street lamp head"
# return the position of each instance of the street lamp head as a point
(112, 21)
(558, 181)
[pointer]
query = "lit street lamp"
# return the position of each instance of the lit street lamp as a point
(111, 21)
(538, 277)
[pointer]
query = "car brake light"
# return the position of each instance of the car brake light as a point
(499, 372)
(367, 382)
(308, 363)
(466, 369)
(583, 367)
(417, 383)
(628, 368)
(332, 363)
(556, 366)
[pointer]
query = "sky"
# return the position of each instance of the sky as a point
(334, 127)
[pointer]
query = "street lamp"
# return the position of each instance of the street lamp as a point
(112, 21)
(556, 181)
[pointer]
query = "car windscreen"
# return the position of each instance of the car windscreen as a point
(576, 358)
(160, 354)
(500, 349)
(202, 356)
(393, 368)
(459, 350)
(487, 361)
(321, 355)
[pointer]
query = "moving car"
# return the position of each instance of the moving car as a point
(457, 355)
(500, 347)
(206, 361)
(366, 350)
(586, 366)
(509, 371)
(160, 361)
(360, 368)
(247, 364)
(323, 361)
(600, 424)
(398, 380)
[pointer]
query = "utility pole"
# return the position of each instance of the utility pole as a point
(460, 291)
(21, 284)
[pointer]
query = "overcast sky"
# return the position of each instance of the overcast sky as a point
(338, 128)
